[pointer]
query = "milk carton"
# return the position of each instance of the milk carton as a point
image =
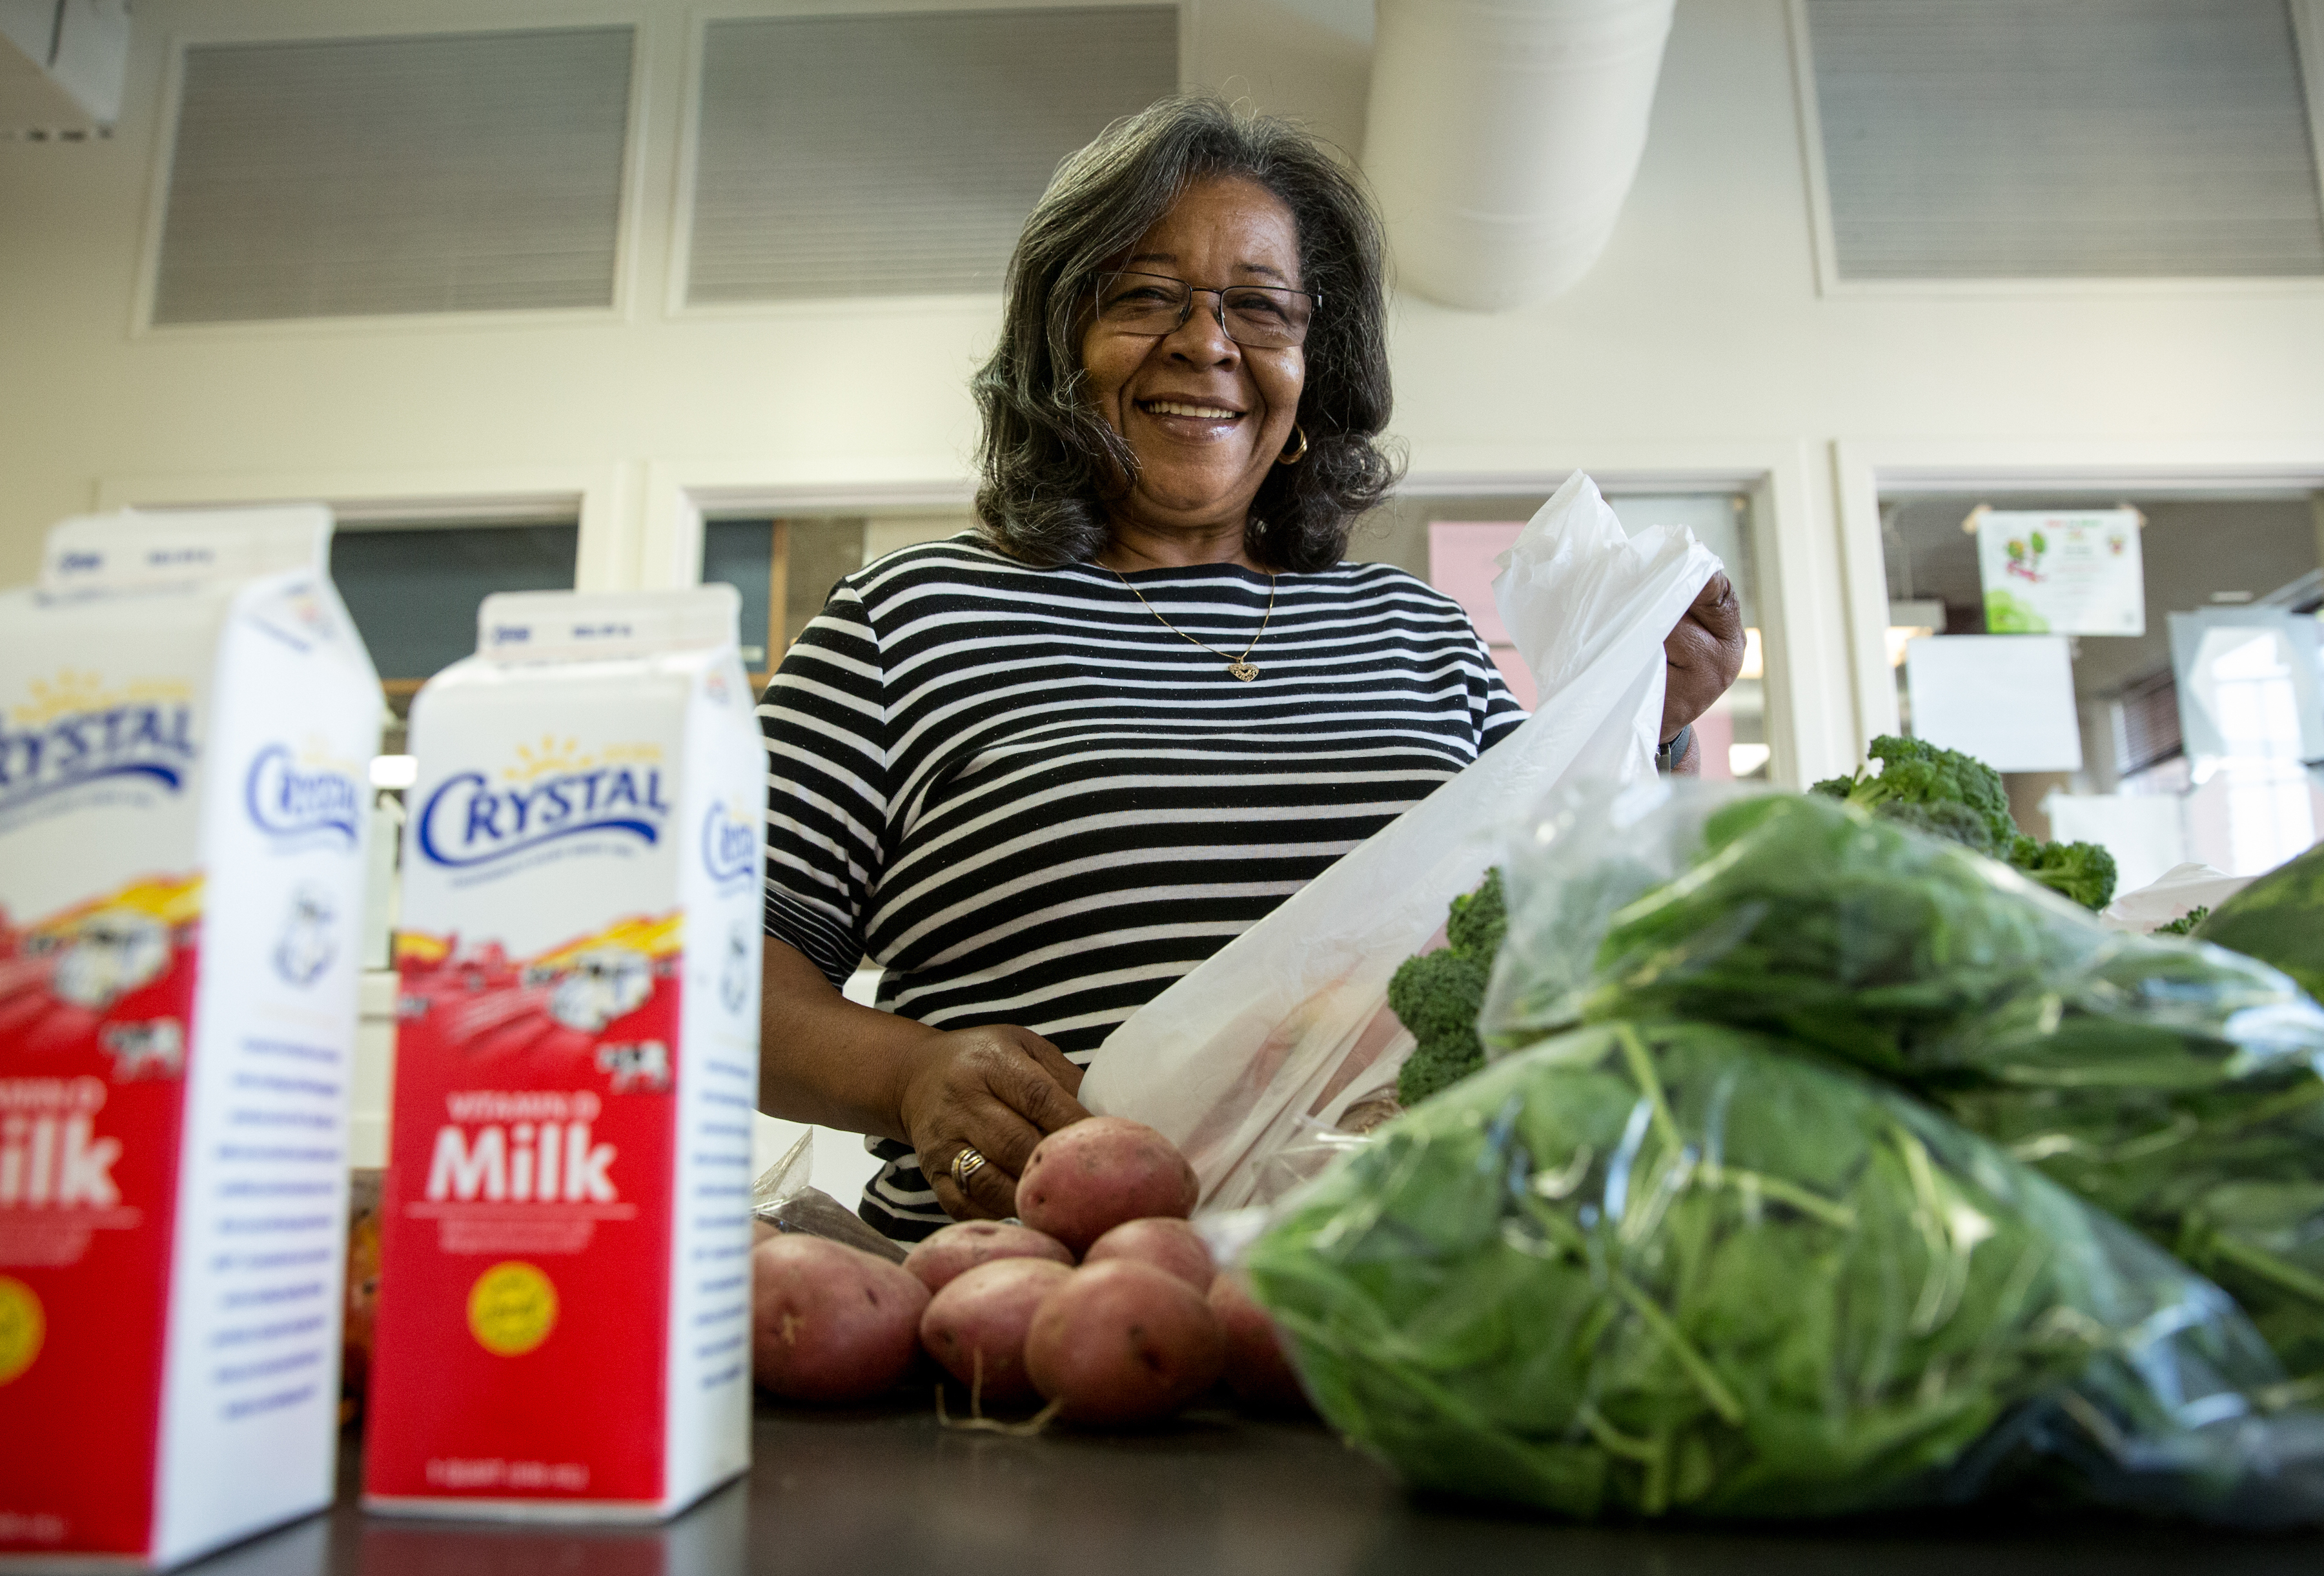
(563, 1320)
(187, 717)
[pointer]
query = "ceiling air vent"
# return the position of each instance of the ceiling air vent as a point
(899, 154)
(458, 173)
(2073, 138)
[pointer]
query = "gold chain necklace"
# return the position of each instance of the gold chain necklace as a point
(1240, 666)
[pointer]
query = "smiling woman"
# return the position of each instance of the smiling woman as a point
(1122, 300)
(1041, 770)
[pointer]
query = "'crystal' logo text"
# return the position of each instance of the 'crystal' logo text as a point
(287, 802)
(467, 821)
(138, 741)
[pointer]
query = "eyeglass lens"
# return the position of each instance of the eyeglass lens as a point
(1262, 317)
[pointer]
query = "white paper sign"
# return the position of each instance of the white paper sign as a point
(2078, 573)
(2006, 699)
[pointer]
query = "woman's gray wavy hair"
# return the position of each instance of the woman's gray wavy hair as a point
(1048, 457)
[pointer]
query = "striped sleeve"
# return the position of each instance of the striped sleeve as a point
(824, 717)
(1497, 711)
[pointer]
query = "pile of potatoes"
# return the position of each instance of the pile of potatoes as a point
(1103, 1305)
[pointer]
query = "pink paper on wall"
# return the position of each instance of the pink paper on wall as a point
(1461, 555)
(1714, 732)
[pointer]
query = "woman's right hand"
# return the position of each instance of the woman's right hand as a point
(999, 1090)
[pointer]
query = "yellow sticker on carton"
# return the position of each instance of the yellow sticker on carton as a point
(511, 1309)
(22, 1327)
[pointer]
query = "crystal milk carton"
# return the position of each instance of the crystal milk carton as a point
(564, 1317)
(187, 720)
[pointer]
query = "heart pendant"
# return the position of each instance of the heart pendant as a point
(1242, 670)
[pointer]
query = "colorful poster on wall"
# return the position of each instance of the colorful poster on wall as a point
(2063, 574)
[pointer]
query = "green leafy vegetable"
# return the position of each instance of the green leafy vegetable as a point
(1670, 1269)
(1437, 995)
(2278, 919)
(1944, 793)
(2173, 1084)
(1930, 788)
(1958, 823)
(2185, 923)
(2083, 871)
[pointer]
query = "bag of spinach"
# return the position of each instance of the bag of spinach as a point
(1673, 1269)
(2173, 1084)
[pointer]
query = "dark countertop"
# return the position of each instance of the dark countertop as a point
(887, 1490)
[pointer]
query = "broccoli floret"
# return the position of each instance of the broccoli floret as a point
(1941, 819)
(1479, 920)
(2185, 922)
(1438, 995)
(1913, 772)
(1946, 794)
(2084, 872)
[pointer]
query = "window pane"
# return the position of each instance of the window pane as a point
(741, 553)
(414, 591)
(823, 551)
(2240, 807)
(1452, 542)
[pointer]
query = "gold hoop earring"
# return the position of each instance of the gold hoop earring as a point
(1300, 454)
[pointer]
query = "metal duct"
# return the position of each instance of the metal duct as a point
(1504, 135)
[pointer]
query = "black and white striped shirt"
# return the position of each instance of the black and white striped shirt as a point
(1032, 804)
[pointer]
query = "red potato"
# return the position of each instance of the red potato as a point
(985, 1311)
(1258, 1368)
(1087, 1179)
(830, 1322)
(1166, 1244)
(1123, 1342)
(962, 1247)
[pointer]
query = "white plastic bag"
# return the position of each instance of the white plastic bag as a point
(1288, 1025)
(2179, 889)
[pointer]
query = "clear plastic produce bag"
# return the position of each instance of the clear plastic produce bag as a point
(2173, 1084)
(1288, 1023)
(1674, 1270)
(785, 1197)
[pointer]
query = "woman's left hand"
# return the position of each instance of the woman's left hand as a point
(1701, 657)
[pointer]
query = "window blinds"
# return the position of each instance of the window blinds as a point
(444, 173)
(2093, 138)
(899, 153)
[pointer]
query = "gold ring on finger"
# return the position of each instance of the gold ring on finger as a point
(965, 1164)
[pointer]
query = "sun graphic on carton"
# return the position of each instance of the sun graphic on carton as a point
(74, 691)
(553, 756)
(315, 754)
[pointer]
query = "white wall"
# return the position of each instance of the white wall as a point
(1699, 349)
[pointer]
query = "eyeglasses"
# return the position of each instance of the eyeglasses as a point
(1263, 317)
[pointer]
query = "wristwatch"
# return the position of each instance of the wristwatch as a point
(1667, 758)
